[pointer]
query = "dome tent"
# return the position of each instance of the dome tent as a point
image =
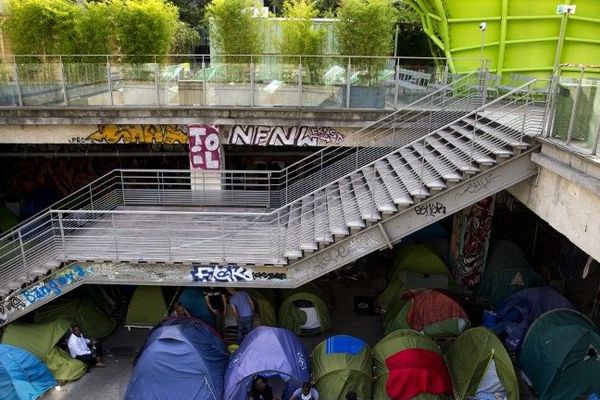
(340, 364)
(481, 368)
(22, 375)
(264, 299)
(408, 365)
(182, 358)
(567, 344)
(304, 312)
(146, 308)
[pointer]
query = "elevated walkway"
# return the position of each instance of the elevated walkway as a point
(277, 228)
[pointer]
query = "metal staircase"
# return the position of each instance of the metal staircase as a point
(411, 168)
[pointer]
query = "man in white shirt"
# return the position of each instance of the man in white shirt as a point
(81, 348)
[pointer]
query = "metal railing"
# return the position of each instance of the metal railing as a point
(89, 226)
(573, 113)
(327, 81)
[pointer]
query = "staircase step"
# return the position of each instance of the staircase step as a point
(322, 232)
(398, 193)
(451, 154)
(438, 163)
(431, 179)
(409, 179)
(366, 203)
(292, 242)
(382, 198)
(350, 205)
(503, 133)
(307, 227)
(337, 225)
(467, 149)
(491, 146)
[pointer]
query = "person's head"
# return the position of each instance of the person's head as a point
(351, 396)
(179, 307)
(306, 388)
(260, 383)
(231, 290)
(76, 330)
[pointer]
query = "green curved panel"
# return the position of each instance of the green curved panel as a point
(522, 36)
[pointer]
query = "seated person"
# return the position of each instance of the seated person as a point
(306, 392)
(180, 311)
(261, 390)
(87, 350)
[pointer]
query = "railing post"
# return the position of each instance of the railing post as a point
(300, 83)
(348, 71)
(574, 108)
(396, 84)
(595, 146)
(91, 196)
(269, 190)
(22, 251)
(63, 81)
(110, 86)
(62, 234)
(251, 83)
(204, 84)
(157, 81)
(114, 228)
(17, 83)
(123, 188)
(287, 184)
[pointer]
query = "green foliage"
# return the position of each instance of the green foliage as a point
(186, 39)
(366, 28)
(234, 29)
(192, 13)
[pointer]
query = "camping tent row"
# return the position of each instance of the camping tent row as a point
(302, 311)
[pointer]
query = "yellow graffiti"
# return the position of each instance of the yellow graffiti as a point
(136, 134)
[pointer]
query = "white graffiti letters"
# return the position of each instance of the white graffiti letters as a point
(227, 273)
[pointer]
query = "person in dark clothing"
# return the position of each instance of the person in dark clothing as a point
(261, 390)
(216, 301)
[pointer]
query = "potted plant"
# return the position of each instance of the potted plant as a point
(366, 28)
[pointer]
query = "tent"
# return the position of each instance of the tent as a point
(340, 364)
(273, 353)
(193, 300)
(183, 358)
(507, 271)
(567, 344)
(481, 368)
(433, 312)
(304, 312)
(7, 219)
(43, 341)
(146, 308)
(264, 301)
(414, 266)
(517, 313)
(22, 375)
(82, 311)
(408, 365)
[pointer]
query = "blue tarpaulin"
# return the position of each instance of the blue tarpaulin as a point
(184, 358)
(22, 375)
(344, 344)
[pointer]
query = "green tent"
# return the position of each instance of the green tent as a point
(82, 311)
(433, 312)
(341, 364)
(567, 344)
(414, 266)
(507, 271)
(392, 344)
(146, 308)
(304, 312)
(41, 340)
(479, 364)
(264, 301)
(7, 219)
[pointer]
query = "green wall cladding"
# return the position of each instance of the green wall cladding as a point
(521, 37)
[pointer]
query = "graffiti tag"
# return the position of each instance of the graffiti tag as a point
(204, 147)
(226, 273)
(430, 209)
(263, 135)
(54, 286)
(269, 276)
(478, 185)
(136, 134)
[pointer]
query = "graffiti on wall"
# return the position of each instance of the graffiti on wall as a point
(469, 242)
(136, 134)
(264, 135)
(221, 273)
(204, 147)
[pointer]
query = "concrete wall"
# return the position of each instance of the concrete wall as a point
(566, 194)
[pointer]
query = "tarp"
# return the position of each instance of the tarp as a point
(414, 266)
(192, 298)
(41, 340)
(395, 343)
(147, 307)
(431, 311)
(22, 375)
(341, 364)
(470, 358)
(264, 300)
(268, 352)
(82, 311)
(507, 271)
(560, 355)
(184, 358)
(292, 318)
(516, 314)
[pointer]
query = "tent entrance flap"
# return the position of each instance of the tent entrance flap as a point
(490, 383)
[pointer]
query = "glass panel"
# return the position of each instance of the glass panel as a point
(41, 83)
(134, 81)
(86, 80)
(368, 79)
(228, 81)
(8, 86)
(276, 81)
(324, 81)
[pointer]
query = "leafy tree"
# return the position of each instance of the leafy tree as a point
(191, 12)
(412, 41)
(186, 39)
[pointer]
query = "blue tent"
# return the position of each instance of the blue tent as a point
(192, 298)
(22, 375)
(183, 358)
(520, 310)
(270, 353)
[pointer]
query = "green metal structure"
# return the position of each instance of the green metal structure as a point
(523, 36)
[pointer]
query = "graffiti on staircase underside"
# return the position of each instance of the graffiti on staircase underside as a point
(478, 185)
(137, 134)
(431, 209)
(264, 135)
(221, 273)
